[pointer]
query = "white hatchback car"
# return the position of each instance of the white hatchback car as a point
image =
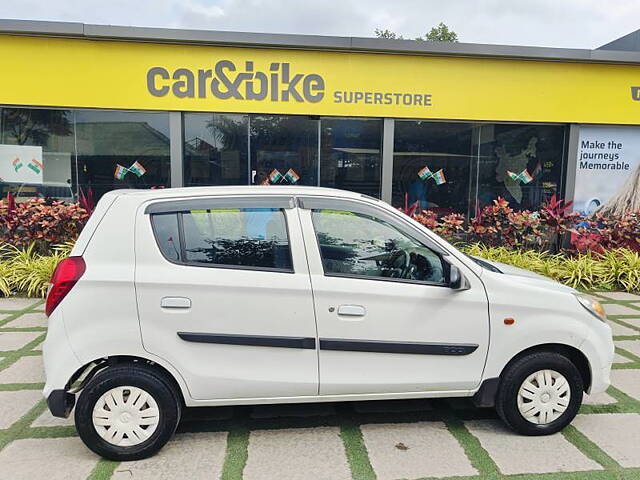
(245, 295)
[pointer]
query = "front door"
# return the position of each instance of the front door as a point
(387, 321)
(224, 296)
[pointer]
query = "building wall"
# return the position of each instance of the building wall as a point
(88, 111)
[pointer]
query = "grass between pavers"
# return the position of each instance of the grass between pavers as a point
(103, 470)
(14, 431)
(12, 356)
(237, 453)
(13, 314)
(475, 452)
(589, 449)
(349, 422)
(356, 452)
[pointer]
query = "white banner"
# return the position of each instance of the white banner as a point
(21, 164)
(607, 157)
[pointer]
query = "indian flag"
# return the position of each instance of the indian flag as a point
(425, 173)
(525, 177)
(17, 164)
(439, 177)
(120, 172)
(514, 176)
(35, 165)
(275, 176)
(137, 169)
(291, 176)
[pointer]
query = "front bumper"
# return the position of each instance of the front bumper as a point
(599, 350)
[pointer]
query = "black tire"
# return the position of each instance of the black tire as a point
(145, 378)
(514, 376)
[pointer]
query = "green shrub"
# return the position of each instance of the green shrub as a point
(26, 272)
(617, 269)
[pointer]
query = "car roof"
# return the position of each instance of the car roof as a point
(243, 190)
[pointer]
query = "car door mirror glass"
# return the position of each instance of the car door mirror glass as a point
(457, 280)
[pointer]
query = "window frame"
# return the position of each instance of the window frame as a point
(179, 207)
(313, 204)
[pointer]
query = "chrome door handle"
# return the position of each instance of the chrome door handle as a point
(352, 310)
(175, 302)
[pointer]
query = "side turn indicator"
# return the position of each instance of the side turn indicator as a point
(509, 321)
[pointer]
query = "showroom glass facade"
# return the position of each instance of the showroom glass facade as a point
(468, 164)
(229, 149)
(81, 149)
(477, 163)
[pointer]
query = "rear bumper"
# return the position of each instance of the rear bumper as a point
(60, 403)
(60, 362)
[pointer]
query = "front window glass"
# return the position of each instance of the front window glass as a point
(249, 237)
(360, 245)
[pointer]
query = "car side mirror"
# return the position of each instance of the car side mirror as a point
(457, 280)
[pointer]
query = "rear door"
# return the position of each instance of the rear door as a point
(224, 295)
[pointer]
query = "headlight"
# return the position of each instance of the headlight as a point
(593, 306)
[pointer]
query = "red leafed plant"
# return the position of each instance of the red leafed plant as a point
(409, 210)
(428, 218)
(558, 215)
(606, 232)
(41, 223)
(451, 227)
(493, 226)
(86, 201)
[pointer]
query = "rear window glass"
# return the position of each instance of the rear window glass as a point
(166, 231)
(234, 237)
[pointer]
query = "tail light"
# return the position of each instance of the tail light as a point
(64, 277)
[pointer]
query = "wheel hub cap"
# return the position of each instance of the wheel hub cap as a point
(126, 416)
(544, 396)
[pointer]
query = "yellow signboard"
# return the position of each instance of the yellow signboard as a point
(130, 75)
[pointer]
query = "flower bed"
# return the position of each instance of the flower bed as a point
(554, 227)
(616, 269)
(602, 253)
(40, 224)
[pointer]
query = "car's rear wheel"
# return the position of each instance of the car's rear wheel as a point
(127, 413)
(540, 393)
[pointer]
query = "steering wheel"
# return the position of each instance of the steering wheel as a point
(399, 272)
(409, 269)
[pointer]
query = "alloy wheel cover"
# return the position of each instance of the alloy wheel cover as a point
(544, 396)
(126, 416)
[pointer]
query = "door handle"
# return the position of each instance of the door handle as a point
(175, 302)
(352, 310)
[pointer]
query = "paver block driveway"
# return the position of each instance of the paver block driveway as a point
(364, 440)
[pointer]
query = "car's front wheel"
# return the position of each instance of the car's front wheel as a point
(127, 413)
(540, 393)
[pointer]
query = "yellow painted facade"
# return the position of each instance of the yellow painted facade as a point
(64, 72)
